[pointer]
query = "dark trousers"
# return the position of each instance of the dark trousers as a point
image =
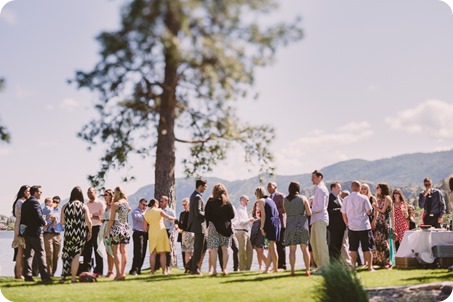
(234, 247)
(140, 242)
(432, 219)
(199, 242)
(34, 246)
(336, 241)
(281, 250)
(90, 245)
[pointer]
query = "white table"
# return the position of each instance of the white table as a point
(421, 242)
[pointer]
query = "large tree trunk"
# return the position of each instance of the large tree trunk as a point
(165, 151)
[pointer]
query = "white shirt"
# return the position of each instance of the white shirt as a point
(320, 203)
(355, 206)
(243, 219)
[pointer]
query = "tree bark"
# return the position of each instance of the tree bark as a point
(165, 150)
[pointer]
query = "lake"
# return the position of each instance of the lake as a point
(7, 265)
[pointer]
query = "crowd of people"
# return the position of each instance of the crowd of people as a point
(327, 226)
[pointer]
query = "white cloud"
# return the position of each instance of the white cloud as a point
(320, 148)
(8, 16)
(69, 104)
(432, 118)
(49, 107)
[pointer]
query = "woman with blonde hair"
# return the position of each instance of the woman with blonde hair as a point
(400, 216)
(118, 232)
(365, 190)
(270, 226)
(219, 212)
(381, 223)
(102, 240)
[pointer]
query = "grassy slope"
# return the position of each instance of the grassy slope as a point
(250, 286)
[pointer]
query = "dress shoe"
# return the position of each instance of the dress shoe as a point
(134, 273)
(29, 279)
(46, 281)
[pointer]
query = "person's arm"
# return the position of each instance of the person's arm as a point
(263, 216)
(345, 219)
(442, 206)
(306, 205)
(111, 219)
(319, 202)
(88, 221)
(421, 200)
(145, 224)
(168, 217)
(62, 218)
(199, 213)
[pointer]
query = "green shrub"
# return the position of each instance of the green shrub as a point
(340, 284)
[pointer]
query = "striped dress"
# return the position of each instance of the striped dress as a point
(75, 234)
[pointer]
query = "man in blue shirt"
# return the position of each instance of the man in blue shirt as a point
(140, 237)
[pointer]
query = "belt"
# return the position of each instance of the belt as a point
(138, 231)
(244, 230)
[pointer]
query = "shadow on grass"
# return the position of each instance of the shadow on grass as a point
(263, 277)
(432, 276)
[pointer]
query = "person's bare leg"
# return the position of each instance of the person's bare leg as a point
(292, 258)
(74, 267)
(123, 259)
(152, 262)
(163, 261)
(306, 254)
(369, 257)
(354, 256)
(225, 259)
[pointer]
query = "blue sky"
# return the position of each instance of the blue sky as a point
(370, 79)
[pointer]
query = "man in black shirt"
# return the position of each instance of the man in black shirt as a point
(433, 203)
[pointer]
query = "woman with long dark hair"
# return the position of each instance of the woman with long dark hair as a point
(219, 212)
(297, 210)
(76, 219)
(19, 242)
(400, 215)
(381, 223)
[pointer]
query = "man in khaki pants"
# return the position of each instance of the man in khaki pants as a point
(52, 236)
(319, 222)
(242, 229)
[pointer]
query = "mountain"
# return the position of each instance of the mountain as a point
(404, 171)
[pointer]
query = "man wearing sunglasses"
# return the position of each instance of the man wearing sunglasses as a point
(52, 237)
(433, 203)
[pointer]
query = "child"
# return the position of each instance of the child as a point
(46, 211)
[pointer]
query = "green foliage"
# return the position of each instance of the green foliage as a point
(340, 284)
(4, 134)
(173, 73)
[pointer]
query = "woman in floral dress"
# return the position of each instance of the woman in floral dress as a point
(400, 215)
(381, 226)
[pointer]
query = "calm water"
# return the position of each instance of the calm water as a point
(7, 265)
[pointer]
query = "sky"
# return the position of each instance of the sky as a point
(370, 79)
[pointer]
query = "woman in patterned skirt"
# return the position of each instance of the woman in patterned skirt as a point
(75, 217)
(218, 213)
(400, 215)
(118, 231)
(297, 211)
(381, 226)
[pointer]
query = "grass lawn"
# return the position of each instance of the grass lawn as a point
(248, 286)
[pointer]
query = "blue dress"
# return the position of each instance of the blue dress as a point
(272, 225)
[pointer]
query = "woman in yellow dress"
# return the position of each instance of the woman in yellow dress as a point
(157, 235)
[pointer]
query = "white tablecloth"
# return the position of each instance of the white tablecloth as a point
(422, 242)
